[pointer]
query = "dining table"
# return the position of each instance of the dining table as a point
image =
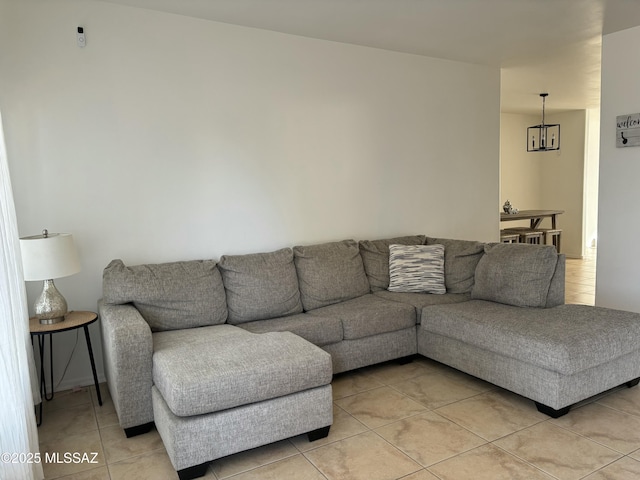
(535, 216)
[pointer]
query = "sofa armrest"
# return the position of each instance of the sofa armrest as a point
(127, 347)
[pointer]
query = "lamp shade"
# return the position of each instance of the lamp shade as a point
(49, 256)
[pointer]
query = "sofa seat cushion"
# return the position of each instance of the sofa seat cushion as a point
(369, 315)
(375, 257)
(169, 296)
(316, 329)
(421, 300)
(260, 285)
(208, 369)
(566, 339)
(330, 273)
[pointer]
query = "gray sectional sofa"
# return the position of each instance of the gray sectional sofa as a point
(229, 355)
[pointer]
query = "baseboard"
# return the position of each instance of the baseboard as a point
(85, 381)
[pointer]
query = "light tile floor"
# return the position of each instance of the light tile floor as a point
(419, 421)
(580, 279)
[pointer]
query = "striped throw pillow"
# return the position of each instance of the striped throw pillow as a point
(416, 268)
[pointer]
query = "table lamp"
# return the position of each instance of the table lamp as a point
(45, 257)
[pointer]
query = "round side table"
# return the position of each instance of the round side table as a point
(72, 321)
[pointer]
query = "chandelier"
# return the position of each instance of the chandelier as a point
(544, 137)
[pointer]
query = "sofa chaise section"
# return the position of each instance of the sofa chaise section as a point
(208, 369)
(520, 339)
(143, 299)
(219, 390)
(173, 360)
(556, 357)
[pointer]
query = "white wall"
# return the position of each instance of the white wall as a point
(591, 173)
(171, 138)
(520, 174)
(618, 280)
(546, 180)
(562, 182)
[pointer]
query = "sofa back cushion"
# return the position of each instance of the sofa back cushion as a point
(260, 285)
(461, 258)
(515, 274)
(375, 257)
(330, 273)
(169, 296)
(556, 289)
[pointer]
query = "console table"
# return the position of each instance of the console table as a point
(536, 217)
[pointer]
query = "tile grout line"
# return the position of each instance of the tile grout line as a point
(524, 459)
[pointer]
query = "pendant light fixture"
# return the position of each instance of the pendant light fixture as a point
(543, 137)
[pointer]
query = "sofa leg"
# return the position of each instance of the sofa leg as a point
(193, 472)
(138, 429)
(633, 383)
(405, 360)
(319, 433)
(552, 412)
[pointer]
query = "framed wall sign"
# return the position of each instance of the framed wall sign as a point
(628, 130)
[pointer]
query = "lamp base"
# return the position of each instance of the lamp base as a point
(50, 307)
(51, 321)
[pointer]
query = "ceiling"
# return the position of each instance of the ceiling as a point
(541, 45)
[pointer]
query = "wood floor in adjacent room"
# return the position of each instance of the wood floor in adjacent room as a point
(419, 421)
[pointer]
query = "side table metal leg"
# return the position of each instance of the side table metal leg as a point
(41, 352)
(50, 369)
(43, 383)
(93, 363)
(39, 407)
